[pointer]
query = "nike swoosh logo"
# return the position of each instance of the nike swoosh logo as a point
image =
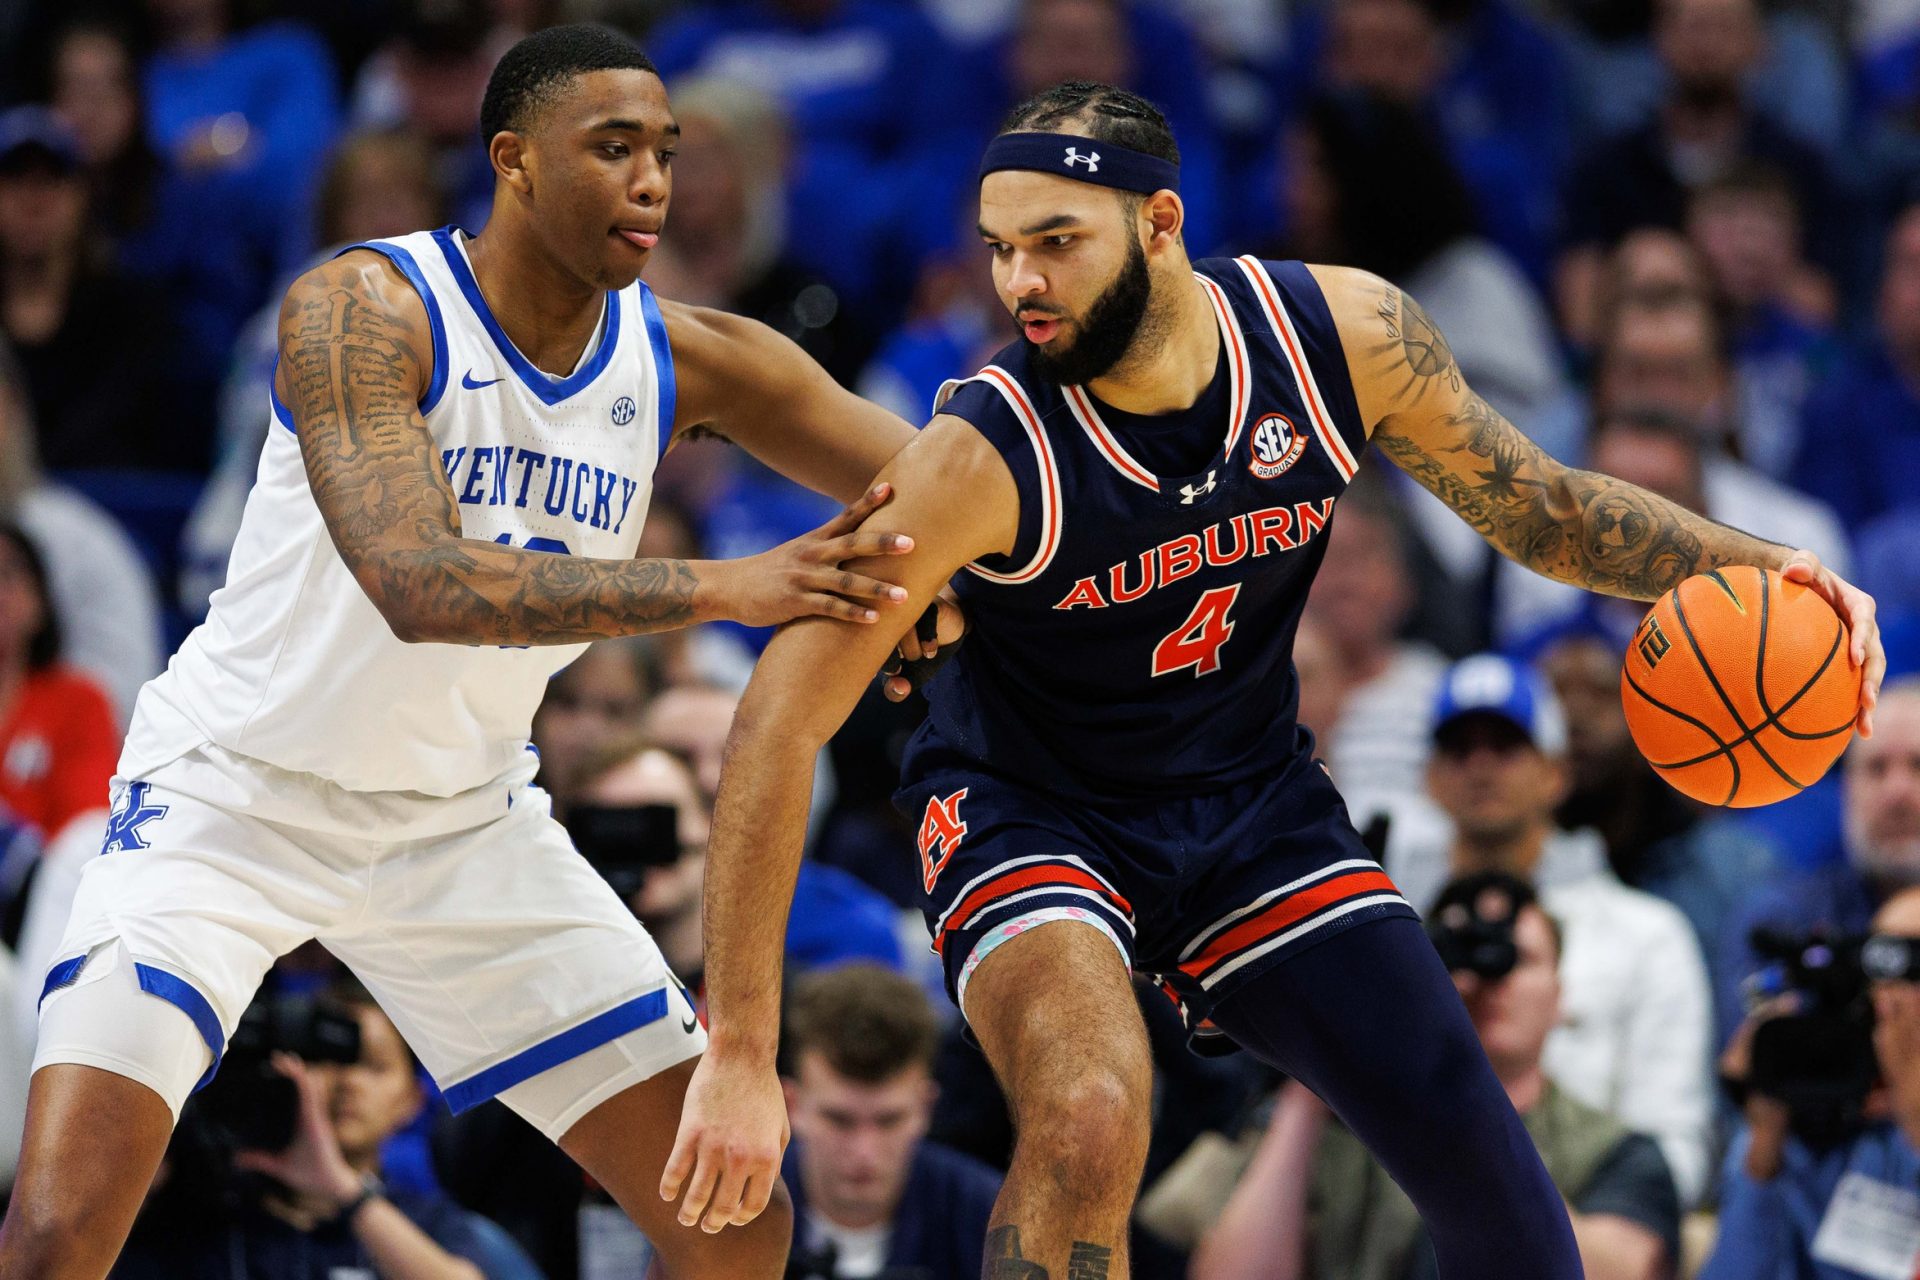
(689, 1025)
(468, 382)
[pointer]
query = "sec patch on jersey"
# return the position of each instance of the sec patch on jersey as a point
(1277, 445)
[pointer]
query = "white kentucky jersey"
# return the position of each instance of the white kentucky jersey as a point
(295, 667)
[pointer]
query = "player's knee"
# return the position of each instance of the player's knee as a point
(48, 1236)
(1090, 1133)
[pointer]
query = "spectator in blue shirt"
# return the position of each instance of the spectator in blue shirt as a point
(1860, 446)
(874, 95)
(1488, 78)
(247, 118)
(147, 217)
(871, 1196)
(1747, 226)
(1791, 1211)
(1707, 123)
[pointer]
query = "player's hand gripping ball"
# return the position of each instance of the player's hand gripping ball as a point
(1741, 687)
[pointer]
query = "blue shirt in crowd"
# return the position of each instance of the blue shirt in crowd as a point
(1860, 443)
(836, 919)
(1768, 1229)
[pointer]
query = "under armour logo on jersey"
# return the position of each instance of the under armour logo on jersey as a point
(940, 832)
(132, 813)
(1091, 159)
(1189, 492)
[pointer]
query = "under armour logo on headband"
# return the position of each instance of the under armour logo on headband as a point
(1060, 154)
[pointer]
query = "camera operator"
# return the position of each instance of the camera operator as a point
(871, 1196)
(316, 1208)
(1313, 1203)
(1799, 1199)
(1880, 823)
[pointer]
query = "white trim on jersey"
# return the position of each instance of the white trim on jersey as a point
(1052, 509)
(1269, 295)
(1239, 371)
(1240, 385)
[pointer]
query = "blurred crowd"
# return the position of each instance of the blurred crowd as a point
(1674, 240)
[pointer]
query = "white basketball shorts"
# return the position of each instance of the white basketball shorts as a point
(509, 965)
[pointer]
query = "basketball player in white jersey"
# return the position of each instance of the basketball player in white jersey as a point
(446, 511)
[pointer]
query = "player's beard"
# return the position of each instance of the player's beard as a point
(1107, 332)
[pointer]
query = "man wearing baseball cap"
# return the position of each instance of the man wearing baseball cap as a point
(1635, 1037)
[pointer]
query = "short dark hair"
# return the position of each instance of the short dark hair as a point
(867, 1021)
(531, 73)
(1101, 112)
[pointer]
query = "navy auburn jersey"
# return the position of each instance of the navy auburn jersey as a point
(1138, 639)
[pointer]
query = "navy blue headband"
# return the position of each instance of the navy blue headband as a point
(1082, 159)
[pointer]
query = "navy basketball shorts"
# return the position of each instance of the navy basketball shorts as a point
(1199, 893)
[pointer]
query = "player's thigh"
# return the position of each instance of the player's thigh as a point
(171, 931)
(1055, 1013)
(513, 970)
(624, 1143)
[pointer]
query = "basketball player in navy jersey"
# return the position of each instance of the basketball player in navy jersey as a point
(467, 430)
(1111, 779)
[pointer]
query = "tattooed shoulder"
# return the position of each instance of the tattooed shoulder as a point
(1421, 344)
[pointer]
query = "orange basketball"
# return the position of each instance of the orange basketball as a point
(1740, 687)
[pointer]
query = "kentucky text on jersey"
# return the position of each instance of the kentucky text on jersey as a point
(498, 475)
(295, 667)
(1255, 534)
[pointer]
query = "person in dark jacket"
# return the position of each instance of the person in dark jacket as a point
(872, 1197)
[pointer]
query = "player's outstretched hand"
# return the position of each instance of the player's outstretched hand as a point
(1856, 608)
(804, 578)
(726, 1157)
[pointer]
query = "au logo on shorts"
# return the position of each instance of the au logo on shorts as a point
(1277, 445)
(940, 832)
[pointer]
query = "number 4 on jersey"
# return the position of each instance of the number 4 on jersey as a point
(1196, 642)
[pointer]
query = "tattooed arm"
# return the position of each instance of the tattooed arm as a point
(355, 354)
(1582, 527)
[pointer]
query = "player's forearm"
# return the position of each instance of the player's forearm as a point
(1581, 527)
(753, 862)
(399, 1250)
(454, 590)
(803, 689)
